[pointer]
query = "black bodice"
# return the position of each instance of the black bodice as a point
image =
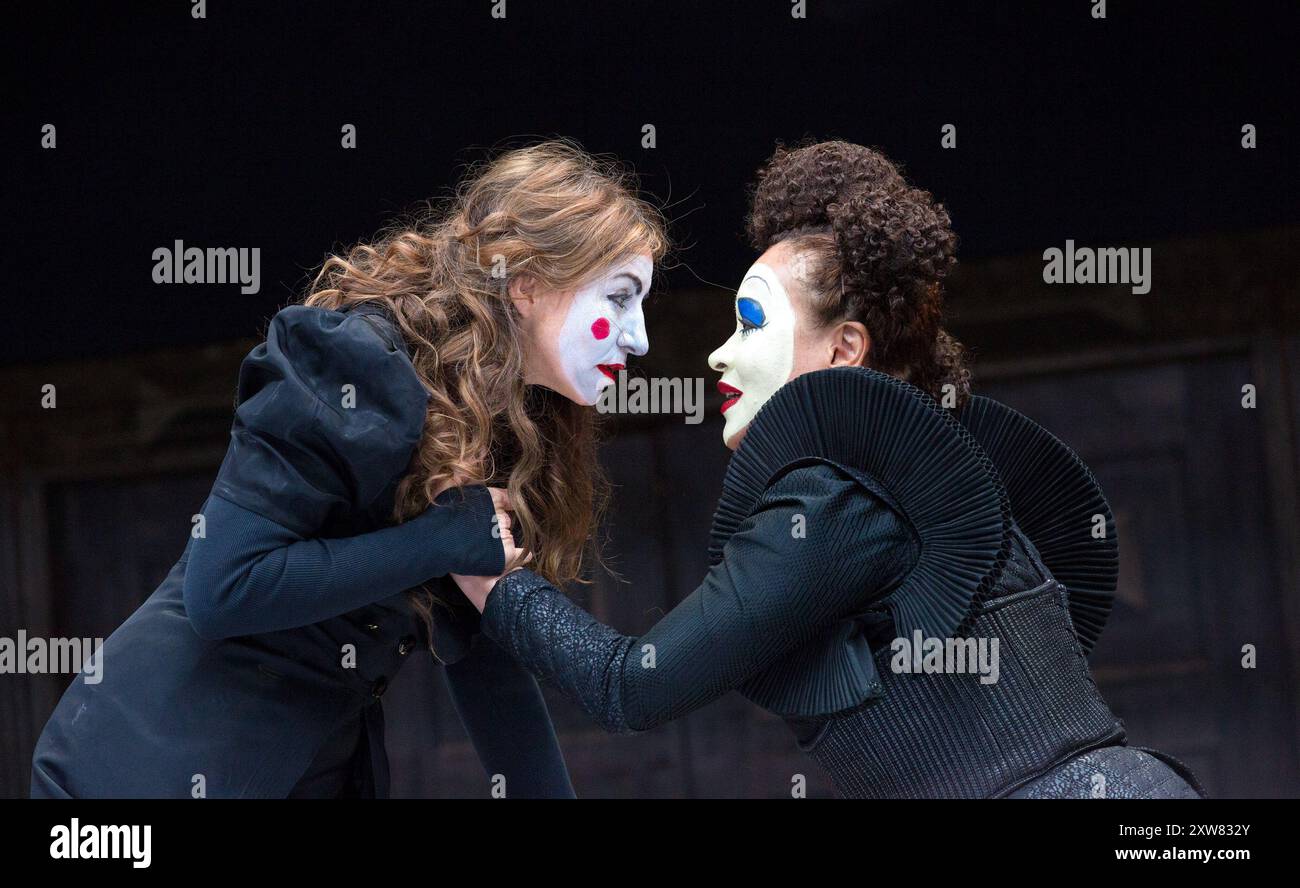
(913, 531)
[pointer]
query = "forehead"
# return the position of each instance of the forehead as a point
(777, 264)
(640, 267)
(762, 283)
(784, 259)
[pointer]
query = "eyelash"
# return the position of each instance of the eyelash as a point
(619, 299)
(747, 328)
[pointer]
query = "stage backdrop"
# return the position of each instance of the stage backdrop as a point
(94, 512)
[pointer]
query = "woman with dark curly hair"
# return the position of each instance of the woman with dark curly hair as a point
(910, 575)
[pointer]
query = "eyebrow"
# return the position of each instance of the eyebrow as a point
(633, 278)
(754, 277)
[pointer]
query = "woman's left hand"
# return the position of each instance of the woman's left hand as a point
(477, 589)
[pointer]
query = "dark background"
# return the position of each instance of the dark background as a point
(1119, 132)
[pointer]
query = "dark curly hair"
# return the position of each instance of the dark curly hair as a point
(872, 249)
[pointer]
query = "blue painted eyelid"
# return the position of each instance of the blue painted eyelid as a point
(750, 312)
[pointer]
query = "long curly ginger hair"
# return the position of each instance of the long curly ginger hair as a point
(550, 211)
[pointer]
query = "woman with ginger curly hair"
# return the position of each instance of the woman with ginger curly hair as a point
(909, 575)
(459, 351)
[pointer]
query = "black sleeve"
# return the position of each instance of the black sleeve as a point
(506, 717)
(817, 547)
(329, 413)
(250, 575)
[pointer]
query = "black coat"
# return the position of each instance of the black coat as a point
(180, 709)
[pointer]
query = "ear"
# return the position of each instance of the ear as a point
(523, 293)
(850, 345)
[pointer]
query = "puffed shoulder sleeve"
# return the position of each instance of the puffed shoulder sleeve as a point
(329, 411)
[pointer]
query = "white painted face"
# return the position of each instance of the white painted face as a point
(604, 324)
(759, 357)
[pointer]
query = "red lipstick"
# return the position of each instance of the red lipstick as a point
(730, 395)
(610, 370)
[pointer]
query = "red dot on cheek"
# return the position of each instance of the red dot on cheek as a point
(600, 328)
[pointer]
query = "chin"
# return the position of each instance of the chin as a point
(733, 442)
(594, 399)
(586, 401)
(590, 398)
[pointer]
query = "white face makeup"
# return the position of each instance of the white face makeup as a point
(604, 324)
(759, 357)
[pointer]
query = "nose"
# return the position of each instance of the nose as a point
(633, 336)
(720, 360)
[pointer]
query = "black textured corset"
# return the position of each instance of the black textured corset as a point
(943, 734)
